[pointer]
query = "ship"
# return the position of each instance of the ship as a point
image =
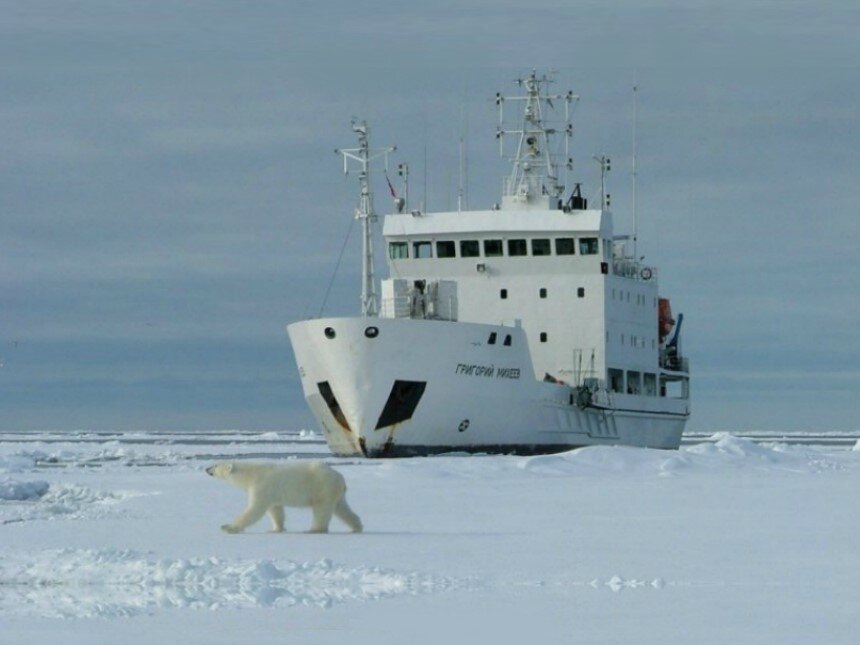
(526, 328)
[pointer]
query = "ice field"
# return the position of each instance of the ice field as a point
(114, 538)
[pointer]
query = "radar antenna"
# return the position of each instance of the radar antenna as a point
(363, 155)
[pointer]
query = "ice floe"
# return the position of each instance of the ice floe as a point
(16, 463)
(12, 490)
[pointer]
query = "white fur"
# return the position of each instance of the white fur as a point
(304, 484)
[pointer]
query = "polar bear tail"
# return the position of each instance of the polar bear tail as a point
(345, 513)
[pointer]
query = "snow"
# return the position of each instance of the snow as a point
(114, 538)
(112, 583)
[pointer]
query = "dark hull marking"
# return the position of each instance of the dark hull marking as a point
(401, 403)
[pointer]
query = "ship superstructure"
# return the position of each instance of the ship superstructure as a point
(529, 327)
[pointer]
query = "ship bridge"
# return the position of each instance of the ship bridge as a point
(552, 272)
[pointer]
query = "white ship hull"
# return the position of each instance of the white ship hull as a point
(421, 387)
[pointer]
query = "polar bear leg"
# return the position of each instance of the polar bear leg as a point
(322, 517)
(276, 514)
(345, 513)
(252, 513)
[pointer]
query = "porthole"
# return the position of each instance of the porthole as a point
(329, 332)
(371, 332)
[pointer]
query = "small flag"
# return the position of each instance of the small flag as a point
(390, 187)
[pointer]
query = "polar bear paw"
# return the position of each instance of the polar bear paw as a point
(230, 528)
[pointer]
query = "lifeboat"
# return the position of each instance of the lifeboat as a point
(665, 321)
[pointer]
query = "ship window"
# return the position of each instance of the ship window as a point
(588, 246)
(580, 292)
(492, 339)
(543, 337)
(507, 340)
(517, 248)
(542, 292)
(540, 247)
(503, 294)
(445, 249)
(398, 250)
(649, 384)
(492, 248)
(564, 246)
(422, 250)
(469, 249)
(634, 382)
(616, 380)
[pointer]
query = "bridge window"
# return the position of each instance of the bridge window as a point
(422, 250)
(543, 337)
(517, 248)
(507, 342)
(580, 292)
(492, 248)
(469, 249)
(503, 294)
(398, 250)
(588, 246)
(445, 250)
(564, 246)
(542, 292)
(540, 247)
(492, 339)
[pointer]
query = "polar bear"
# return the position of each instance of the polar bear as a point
(271, 487)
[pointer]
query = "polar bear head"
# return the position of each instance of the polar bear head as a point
(221, 470)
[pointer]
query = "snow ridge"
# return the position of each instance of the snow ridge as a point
(722, 453)
(111, 583)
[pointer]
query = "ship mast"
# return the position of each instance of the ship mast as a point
(534, 174)
(363, 155)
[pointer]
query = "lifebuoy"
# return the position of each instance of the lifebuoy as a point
(646, 273)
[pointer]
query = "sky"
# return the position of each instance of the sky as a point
(170, 198)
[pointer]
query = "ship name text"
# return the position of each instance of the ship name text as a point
(487, 371)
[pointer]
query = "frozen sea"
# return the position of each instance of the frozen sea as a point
(114, 538)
